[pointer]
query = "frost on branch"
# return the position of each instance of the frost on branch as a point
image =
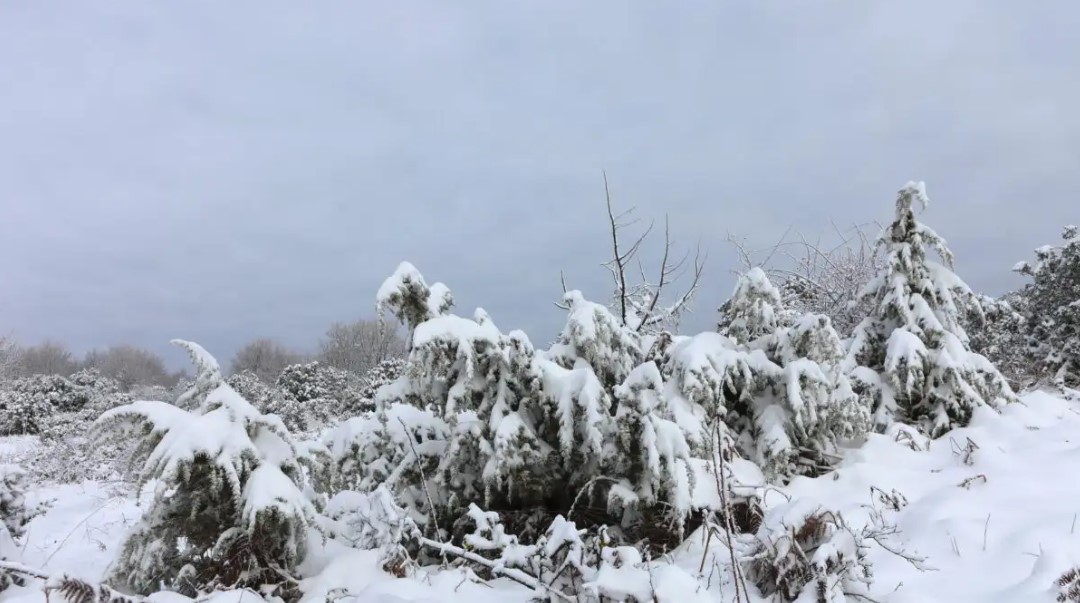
(231, 472)
(920, 364)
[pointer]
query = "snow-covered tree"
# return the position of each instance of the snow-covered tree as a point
(310, 395)
(384, 373)
(1053, 309)
(479, 415)
(229, 509)
(754, 310)
(1002, 336)
(22, 413)
(775, 380)
(14, 514)
(911, 356)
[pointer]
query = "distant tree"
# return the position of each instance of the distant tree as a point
(265, 358)
(48, 358)
(1053, 309)
(129, 366)
(9, 358)
(357, 347)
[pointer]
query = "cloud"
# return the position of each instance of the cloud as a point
(221, 172)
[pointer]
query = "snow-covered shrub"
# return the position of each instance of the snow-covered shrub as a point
(481, 416)
(384, 373)
(229, 509)
(911, 357)
(1053, 309)
(14, 514)
(67, 455)
(805, 553)
(22, 412)
(310, 395)
(754, 310)
(777, 389)
(1002, 336)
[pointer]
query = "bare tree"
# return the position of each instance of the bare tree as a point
(358, 347)
(265, 358)
(640, 304)
(48, 358)
(130, 366)
(9, 358)
(819, 277)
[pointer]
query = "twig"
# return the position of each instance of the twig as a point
(514, 574)
(423, 478)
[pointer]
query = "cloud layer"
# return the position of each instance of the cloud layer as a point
(226, 171)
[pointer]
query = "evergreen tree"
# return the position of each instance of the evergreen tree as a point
(479, 415)
(754, 310)
(911, 356)
(783, 398)
(229, 510)
(1053, 309)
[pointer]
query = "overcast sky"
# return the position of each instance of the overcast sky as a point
(221, 171)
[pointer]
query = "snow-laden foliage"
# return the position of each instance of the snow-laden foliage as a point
(911, 356)
(807, 554)
(1002, 336)
(14, 514)
(409, 298)
(594, 335)
(754, 310)
(384, 373)
(310, 395)
(481, 416)
(229, 508)
(1053, 309)
(779, 390)
(22, 412)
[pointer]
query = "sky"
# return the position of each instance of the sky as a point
(226, 171)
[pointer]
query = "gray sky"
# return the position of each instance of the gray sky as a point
(221, 171)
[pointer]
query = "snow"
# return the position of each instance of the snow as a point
(997, 523)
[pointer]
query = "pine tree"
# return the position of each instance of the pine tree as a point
(791, 402)
(229, 510)
(1053, 309)
(911, 356)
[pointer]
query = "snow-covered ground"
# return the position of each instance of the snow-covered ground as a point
(992, 507)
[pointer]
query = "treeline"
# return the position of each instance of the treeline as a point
(354, 347)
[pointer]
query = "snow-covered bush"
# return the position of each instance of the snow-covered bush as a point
(1053, 309)
(310, 395)
(805, 553)
(384, 373)
(1002, 336)
(778, 389)
(481, 416)
(22, 412)
(14, 514)
(911, 357)
(754, 310)
(229, 510)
